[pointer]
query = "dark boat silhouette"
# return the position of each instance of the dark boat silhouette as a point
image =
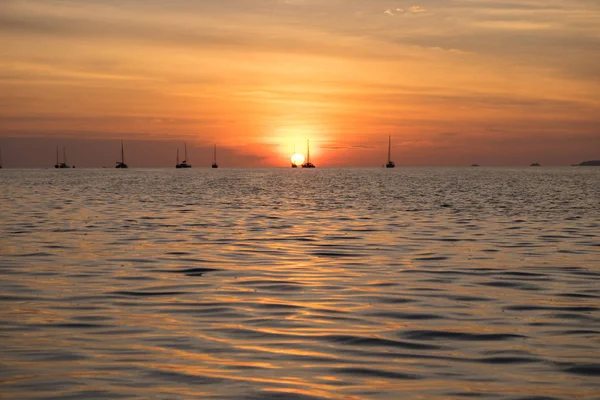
(64, 163)
(121, 164)
(214, 164)
(184, 164)
(294, 165)
(535, 164)
(308, 164)
(390, 163)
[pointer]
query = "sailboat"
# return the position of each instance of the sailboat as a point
(64, 163)
(184, 164)
(214, 164)
(121, 164)
(390, 163)
(294, 165)
(308, 164)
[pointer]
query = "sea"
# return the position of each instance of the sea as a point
(357, 283)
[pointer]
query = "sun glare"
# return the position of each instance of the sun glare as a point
(297, 159)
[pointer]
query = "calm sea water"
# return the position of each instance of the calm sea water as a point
(300, 284)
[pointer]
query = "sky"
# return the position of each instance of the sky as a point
(454, 82)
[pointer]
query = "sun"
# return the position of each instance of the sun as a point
(297, 159)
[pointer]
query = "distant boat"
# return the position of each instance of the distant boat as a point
(474, 165)
(390, 163)
(535, 164)
(308, 164)
(121, 164)
(214, 164)
(184, 164)
(294, 165)
(64, 163)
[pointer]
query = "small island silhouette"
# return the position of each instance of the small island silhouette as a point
(592, 163)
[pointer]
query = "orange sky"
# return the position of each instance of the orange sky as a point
(454, 82)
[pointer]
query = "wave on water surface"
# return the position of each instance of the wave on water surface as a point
(291, 284)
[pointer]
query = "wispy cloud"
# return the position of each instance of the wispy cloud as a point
(402, 11)
(416, 9)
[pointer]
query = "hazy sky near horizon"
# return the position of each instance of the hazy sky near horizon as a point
(454, 82)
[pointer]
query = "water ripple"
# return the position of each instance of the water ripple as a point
(282, 284)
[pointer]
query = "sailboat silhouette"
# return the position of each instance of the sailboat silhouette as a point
(293, 164)
(390, 163)
(184, 164)
(121, 164)
(214, 164)
(64, 163)
(308, 164)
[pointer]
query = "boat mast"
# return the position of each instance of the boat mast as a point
(178, 156)
(122, 153)
(56, 154)
(185, 151)
(0, 157)
(65, 155)
(215, 155)
(390, 149)
(307, 152)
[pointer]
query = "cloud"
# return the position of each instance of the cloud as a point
(416, 9)
(515, 25)
(400, 11)
(391, 12)
(219, 34)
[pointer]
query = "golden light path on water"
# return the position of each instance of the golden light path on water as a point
(322, 284)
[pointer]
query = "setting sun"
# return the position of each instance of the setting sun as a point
(297, 159)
